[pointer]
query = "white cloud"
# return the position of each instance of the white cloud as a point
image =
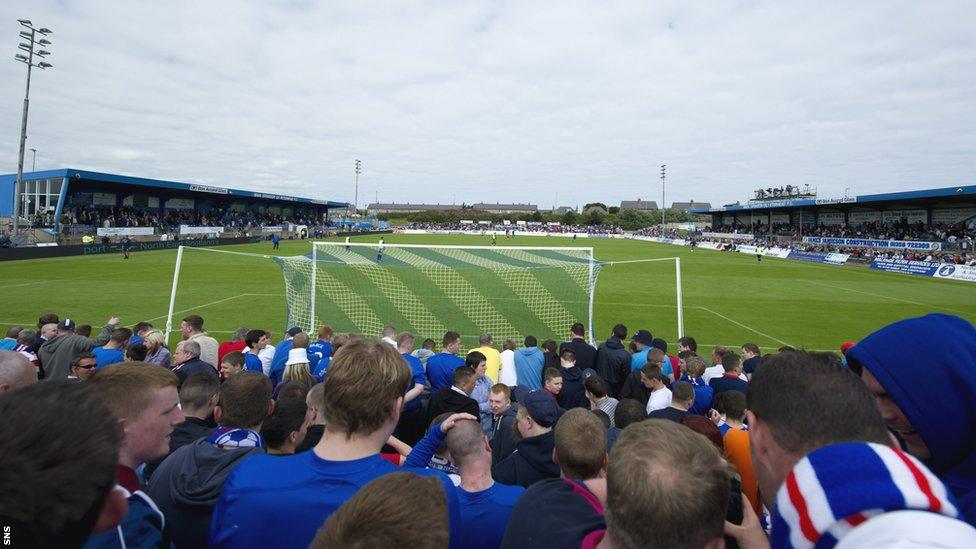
(504, 101)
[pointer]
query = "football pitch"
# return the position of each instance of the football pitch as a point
(729, 298)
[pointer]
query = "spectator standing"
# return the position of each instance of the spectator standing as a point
(56, 354)
(529, 361)
(682, 397)
(254, 342)
(693, 370)
(929, 409)
(320, 352)
(156, 351)
(613, 360)
(187, 361)
(389, 335)
(111, 352)
(643, 340)
(192, 329)
(285, 428)
(145, 403)
(198, 398)
(413, 422)
(653, 379)
(139, 332)
(482, 387)
(502, 434)
(15, 372)
(455, 398)
(573, 393)
(281, 355)
(237, 343)
(751, 359)
(716, 369)
(303, 490)
(531, 461)
(560, 512)
(596, 393)
(585, 353)
(507, 374)
(732, 379)
(440, 367)
(492, 357)
(82, 367)
(9, 342)
(485, 504)
(316, 419)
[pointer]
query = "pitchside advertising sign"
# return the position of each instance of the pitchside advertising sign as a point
(127, 231)
(926, 268)
(869, 243)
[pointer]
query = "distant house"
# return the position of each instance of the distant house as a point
(642, 205)
(563, 209)
(685, 206)
(380, 207)
(505, 208)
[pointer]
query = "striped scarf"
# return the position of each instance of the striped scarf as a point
(836, 488)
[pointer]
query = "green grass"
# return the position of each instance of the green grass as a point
(729, 298)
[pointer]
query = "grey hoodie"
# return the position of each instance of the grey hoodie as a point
(188, 483)
(56, 354)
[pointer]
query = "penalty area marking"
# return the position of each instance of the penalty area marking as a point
(750, 328)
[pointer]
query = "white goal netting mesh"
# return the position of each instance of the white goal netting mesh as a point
(510, 292)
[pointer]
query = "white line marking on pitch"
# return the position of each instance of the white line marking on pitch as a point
(751, 329)
(212, 303)
(887, 297)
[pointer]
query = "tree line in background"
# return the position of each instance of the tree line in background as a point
(592, 214)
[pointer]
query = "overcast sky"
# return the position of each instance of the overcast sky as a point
(522, 101)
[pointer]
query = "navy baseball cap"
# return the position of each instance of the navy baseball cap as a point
(67, 324)
(643, 337)
(540, 405)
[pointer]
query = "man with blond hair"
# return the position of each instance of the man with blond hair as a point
(146, 405)
(361, 404)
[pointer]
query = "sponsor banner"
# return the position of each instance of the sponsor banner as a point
(832, 259)
(127, 231)
(952, 215)
(188, 229)
(869, 243)
(208, 189)
(956, 272)
(272, 229)
(845, 200)
(921, 268)
(730, 236)
(708, 245)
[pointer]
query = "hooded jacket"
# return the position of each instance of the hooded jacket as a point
(937, 395)
(553, 513)
(529, 463)
(613, 364)
(56, 354)
(634, 388)
(842, 489)
(573, 393)
(188, 483)
(528, 367)
(502, 435)
(585, 353)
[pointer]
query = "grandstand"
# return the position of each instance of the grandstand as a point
(70, 203)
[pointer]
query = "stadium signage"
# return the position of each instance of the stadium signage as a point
(730, 236)
(816, 257)
(845, 200)
(868, 243)
(187, 229)
(208, 189)
(906, 266)
(273, 196)
(119, 231)
(956, 272)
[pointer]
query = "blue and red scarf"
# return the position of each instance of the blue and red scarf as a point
(836, 488)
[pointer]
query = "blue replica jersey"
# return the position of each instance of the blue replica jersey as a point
(252, 362)
(104, 357)
(297, 493)
(417, 375)
(440, 370)
(484, 514)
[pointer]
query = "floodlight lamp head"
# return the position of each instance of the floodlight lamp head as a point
(45, 31)
(44, 65)
(20, 57)
(25, 34)
(24, 22)
(42, 53)
(44, 42)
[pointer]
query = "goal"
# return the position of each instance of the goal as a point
(510, 292)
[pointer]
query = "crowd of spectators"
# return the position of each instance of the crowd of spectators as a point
(946, 233)
(126, 216)
(514, 229)
(342, 440)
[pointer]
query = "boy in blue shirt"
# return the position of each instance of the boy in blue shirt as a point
(440, 367)
(362, 401)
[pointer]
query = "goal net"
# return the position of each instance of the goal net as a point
(510, 292)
